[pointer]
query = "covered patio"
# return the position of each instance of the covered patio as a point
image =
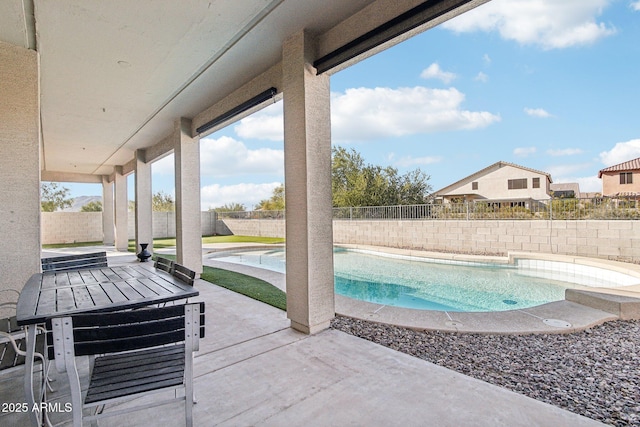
(254, 369)
(95, 91)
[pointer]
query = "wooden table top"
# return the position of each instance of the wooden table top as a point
(48, 295)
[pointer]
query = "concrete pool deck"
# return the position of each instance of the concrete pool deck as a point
(580, 310)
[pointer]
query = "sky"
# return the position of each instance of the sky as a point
(545, 84)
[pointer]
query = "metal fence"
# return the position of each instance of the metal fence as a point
(556, 209)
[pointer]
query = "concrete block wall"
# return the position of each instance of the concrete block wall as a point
(618, 240)
(254, 227)
(70, 227)
(608, 239)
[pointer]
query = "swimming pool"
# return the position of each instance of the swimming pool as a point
(432, 284)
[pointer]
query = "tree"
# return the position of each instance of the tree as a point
(95, 206)
(275, 203)
(230, 207)
(54, 197)
(162, 202)
(355, 183)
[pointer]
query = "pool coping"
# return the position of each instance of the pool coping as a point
(556, 317)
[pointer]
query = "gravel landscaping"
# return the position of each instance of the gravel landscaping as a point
(595, 373)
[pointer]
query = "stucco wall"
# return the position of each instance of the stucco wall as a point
(611, 183)
(494, 185)
(19, 166)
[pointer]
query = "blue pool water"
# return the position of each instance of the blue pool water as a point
(423, 284)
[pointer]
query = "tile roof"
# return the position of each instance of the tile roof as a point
(625, 166)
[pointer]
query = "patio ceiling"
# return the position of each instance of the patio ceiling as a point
(115, 75)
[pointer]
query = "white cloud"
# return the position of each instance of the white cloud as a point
(588, 184)
(559, 173)
(265, 124)
(481, 77)
(409, 161)
(524, 151)
(621, 152)
(550, 24)
(364, 113)
(164, 166)
(434, 71)
(486, 58)
(564, 152)
(537, 112)
(213, 196)
(226, 156)
(635, 5)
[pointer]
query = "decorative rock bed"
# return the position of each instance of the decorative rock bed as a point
(594, 373)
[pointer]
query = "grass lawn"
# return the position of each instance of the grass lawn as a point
(166, 243)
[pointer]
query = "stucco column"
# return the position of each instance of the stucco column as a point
(307, 167)
(19, 166)
(188, 221)
(108, 232)
(121, 210)
(144, 218)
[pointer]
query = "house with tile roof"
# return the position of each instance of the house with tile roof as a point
(502, 182)
(621, 180)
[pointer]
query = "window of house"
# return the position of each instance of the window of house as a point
(474, 185)
(626, 178)
(517, 184)
(535, 183)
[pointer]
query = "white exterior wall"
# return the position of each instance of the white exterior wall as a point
(494, 185)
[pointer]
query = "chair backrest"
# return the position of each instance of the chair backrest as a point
(164, 264)
(136, 352)
(75, 262)
(183, 273)
(103, 333)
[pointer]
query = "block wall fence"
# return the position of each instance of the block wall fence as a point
(608, 239)
(70, 227)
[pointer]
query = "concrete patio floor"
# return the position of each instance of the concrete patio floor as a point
(253, 370)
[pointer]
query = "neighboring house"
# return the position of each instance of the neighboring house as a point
(621, 180)
(502, 182)
(566, 190)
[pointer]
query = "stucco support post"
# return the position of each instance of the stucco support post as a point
(19, 166)
(307, 162)
(143, 215)
(121, 210)
(188, 219)
(108, 232)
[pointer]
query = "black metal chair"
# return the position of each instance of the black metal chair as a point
(164, 264)
(139, 351)
(74, 262)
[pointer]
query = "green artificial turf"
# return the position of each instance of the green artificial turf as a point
(250, 286)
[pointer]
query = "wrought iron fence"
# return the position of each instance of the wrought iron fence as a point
(556, 209)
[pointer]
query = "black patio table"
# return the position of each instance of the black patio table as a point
(48, 295)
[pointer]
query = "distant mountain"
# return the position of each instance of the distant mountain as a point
(79, 202)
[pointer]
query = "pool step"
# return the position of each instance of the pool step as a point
(626, 308)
